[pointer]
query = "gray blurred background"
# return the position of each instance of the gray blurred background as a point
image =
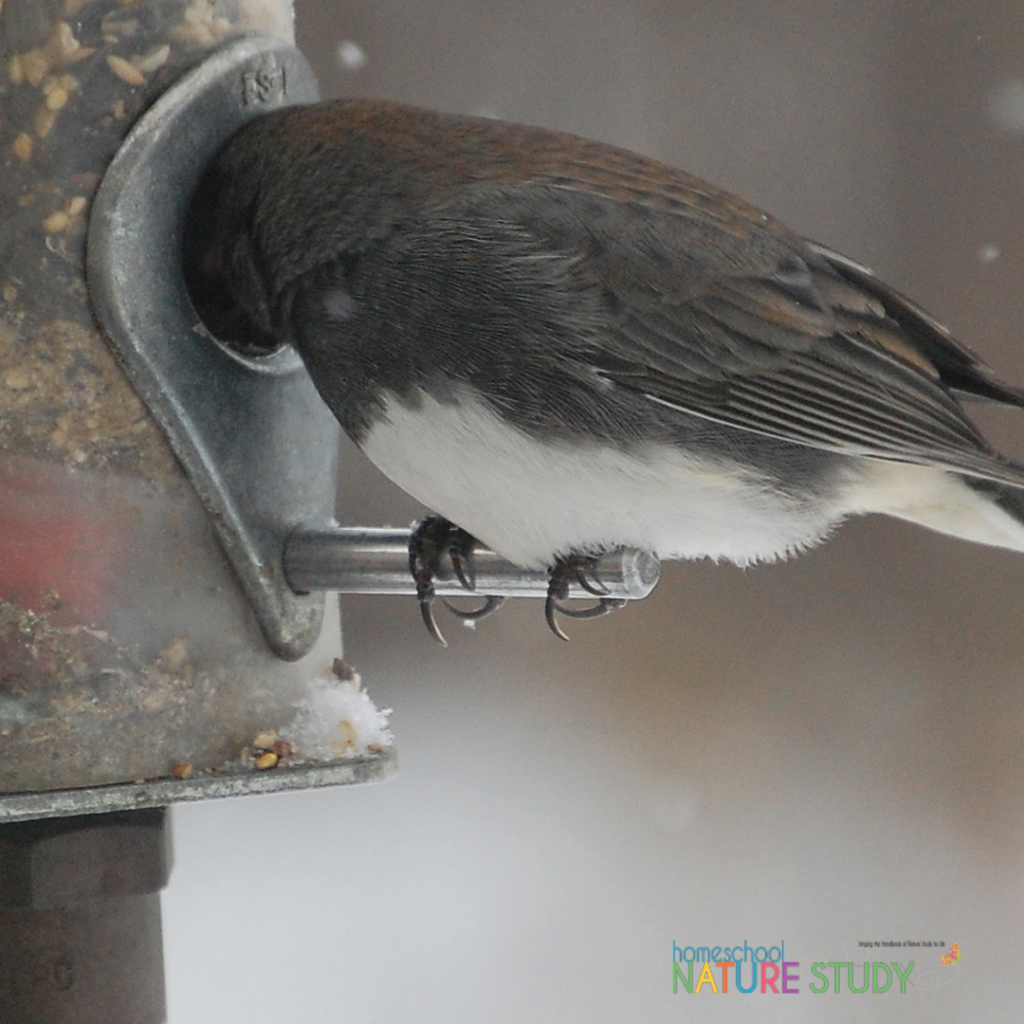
(819, 752)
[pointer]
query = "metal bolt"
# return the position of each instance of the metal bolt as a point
(60, 861)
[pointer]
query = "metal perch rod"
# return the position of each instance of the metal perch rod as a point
(376, 561)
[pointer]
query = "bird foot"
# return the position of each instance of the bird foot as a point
(433, 538)
(582, 570)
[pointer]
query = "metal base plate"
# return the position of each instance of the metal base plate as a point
(208, 786)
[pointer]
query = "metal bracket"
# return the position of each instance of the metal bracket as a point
(254, 437)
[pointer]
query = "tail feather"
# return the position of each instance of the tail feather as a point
(1007, 500)
(984, 511)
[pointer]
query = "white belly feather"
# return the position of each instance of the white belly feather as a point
(531, 501)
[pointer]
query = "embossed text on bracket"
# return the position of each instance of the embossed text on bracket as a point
(265, 84)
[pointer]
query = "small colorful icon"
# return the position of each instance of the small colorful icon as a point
(953, 955)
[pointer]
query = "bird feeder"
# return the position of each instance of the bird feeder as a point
(139, 658)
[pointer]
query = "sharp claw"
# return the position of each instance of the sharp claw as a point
(605, 606)
(462, 563)
(432, 538)
(491, 604)
(580, 569)
(427, 611)
(422, 559)
(550, 607)
(597, 588)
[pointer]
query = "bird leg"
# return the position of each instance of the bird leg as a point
(582, 570)
(432, 539)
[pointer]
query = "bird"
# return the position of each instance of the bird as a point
(562, 347)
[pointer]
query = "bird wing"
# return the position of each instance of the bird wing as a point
(731, 317)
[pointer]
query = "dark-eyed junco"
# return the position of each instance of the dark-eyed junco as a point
(563, 347)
